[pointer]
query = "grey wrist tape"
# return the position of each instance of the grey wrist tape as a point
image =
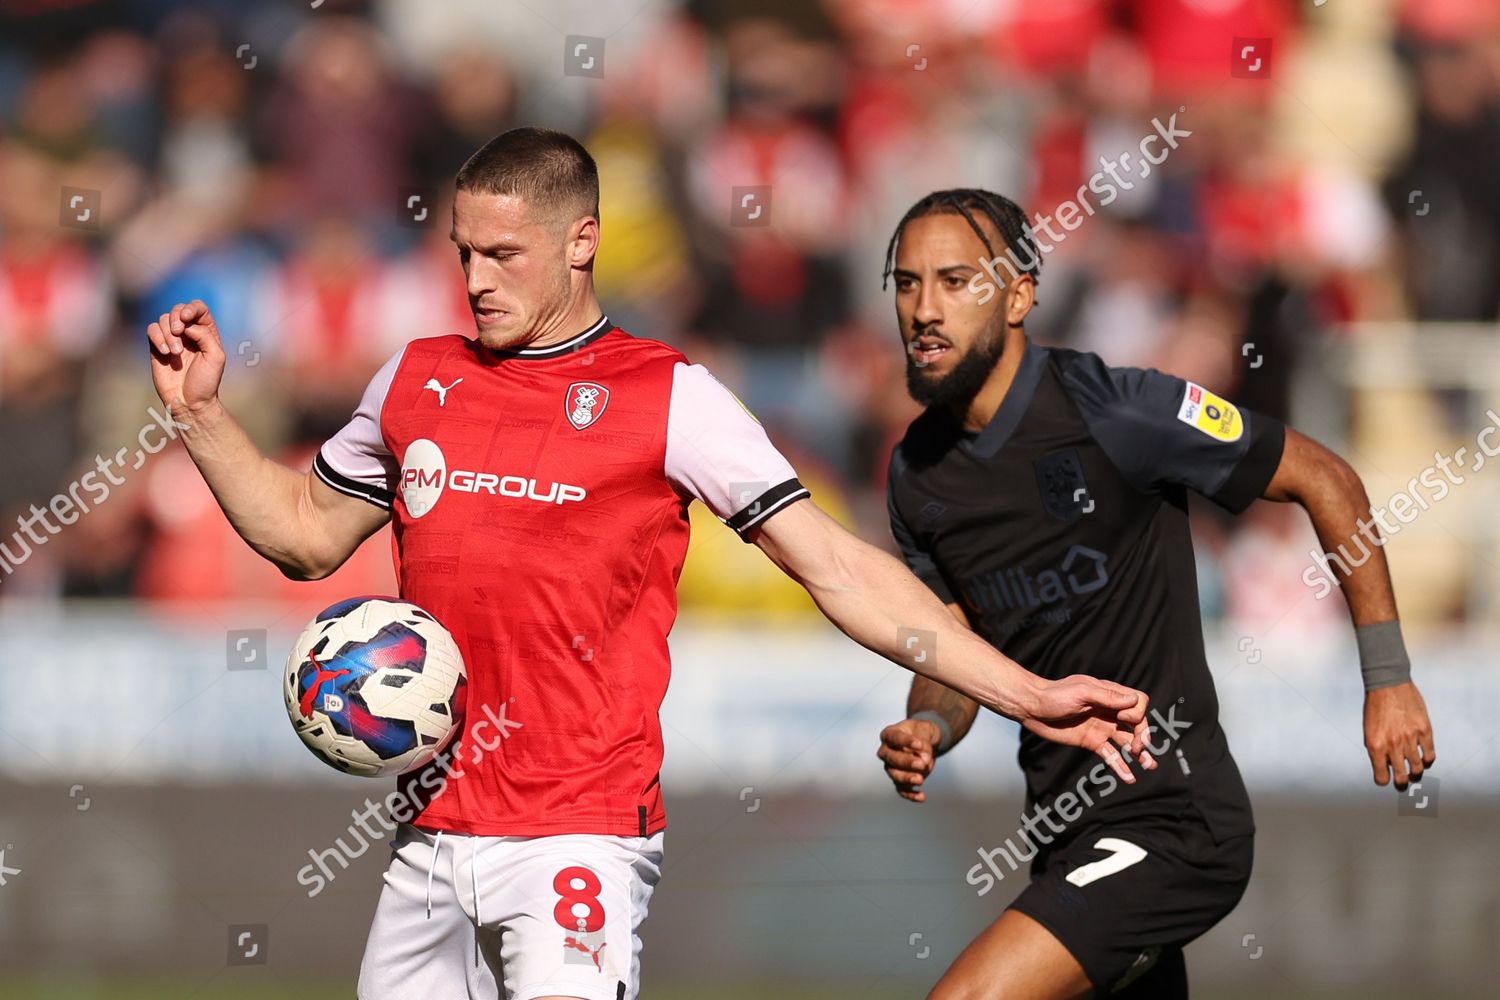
(1382, 655)
(946, 739)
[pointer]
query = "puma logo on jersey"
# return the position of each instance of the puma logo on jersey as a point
(440, 389)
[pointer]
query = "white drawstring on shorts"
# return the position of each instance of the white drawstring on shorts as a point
(432, 867)
(474, 881)
(437, 844)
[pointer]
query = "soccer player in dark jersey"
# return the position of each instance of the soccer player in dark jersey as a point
(1042, 496)
(537, 473)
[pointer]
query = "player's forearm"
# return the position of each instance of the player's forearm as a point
(1339, 508)
(876, 601)
(956, 711)
(261, 499)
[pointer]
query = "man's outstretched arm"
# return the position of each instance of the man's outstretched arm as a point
(1398, 733)
(873, 598)
(291, 518)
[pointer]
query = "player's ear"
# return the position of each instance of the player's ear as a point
(1022, 297)
(583, 241)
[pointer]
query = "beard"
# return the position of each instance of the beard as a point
(957, 389)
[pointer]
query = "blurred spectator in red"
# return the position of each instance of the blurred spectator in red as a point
(56, 305)
(420, 293)
(324, 326)
(925, 110)
(1190, 43)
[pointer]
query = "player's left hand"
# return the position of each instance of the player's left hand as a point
(1096, 715)
(1398, 734)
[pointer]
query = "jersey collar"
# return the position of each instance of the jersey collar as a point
(568, 346)
(1013, 407)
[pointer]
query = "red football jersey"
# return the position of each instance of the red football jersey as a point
(539, 499)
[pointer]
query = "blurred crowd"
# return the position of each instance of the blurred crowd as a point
(291, 164)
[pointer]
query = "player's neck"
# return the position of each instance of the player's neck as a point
(584, 313)
(982, 408)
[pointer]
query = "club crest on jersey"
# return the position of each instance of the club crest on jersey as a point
(585, 404)
(1059, 476)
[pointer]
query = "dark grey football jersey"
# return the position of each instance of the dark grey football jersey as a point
(1062, 530)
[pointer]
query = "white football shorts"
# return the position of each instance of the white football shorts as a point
(510, 918)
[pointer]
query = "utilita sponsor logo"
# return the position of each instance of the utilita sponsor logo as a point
(425, 474)
(1014, 588)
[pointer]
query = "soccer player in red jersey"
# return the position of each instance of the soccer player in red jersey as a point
(538, 479)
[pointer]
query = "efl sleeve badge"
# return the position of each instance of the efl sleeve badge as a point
(1213, 415)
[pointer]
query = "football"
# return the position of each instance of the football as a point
(375, 686)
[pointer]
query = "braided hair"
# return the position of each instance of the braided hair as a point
(1005, 214)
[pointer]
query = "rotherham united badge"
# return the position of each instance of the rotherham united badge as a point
(585, 403)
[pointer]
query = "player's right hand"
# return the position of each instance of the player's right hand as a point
(909, 750)
(187, 357)
(1095, 715)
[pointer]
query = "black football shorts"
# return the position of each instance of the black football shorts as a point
(1125, 898)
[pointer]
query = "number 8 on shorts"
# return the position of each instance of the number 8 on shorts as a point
(579, 889)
